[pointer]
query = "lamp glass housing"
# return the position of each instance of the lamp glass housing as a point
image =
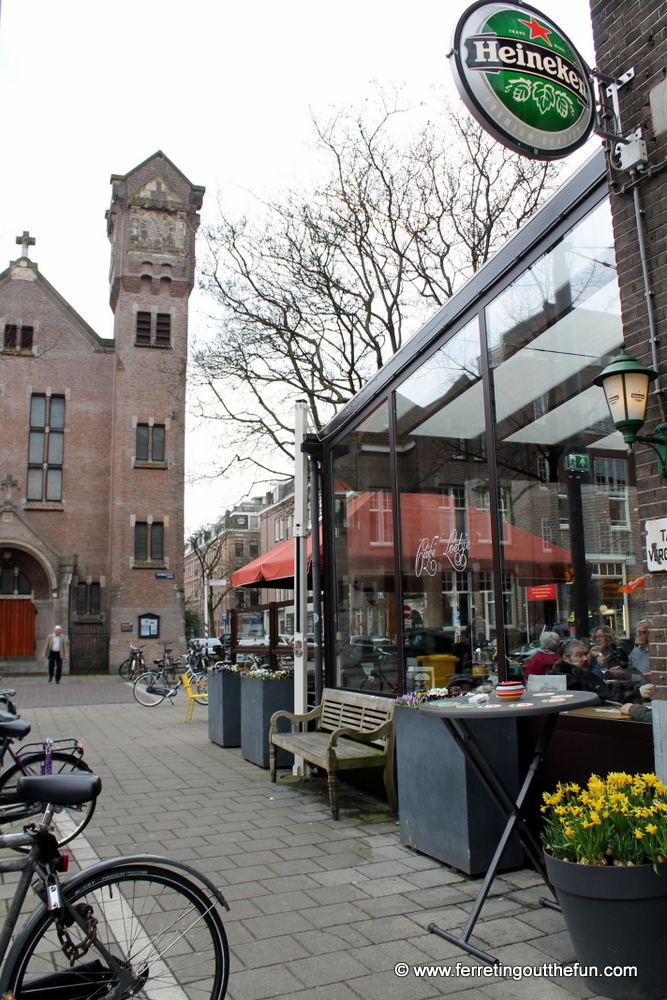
(627, 396)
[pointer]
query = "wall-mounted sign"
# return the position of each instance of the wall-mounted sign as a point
(165, 576)
(523, 79)
(573, 462)
(547, 592)
(218, 583)
(656, 545)
(149, 626)
(126, 626)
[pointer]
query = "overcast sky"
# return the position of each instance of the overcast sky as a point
(225, 90)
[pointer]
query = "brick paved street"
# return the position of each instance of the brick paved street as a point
(320, 910)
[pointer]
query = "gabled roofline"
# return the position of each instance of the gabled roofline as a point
(153, 156)
(103, 342)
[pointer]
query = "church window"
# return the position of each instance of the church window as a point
(163, 329)
(150, 443)
(143, 328)
(45, 448)
(87, 598)
(148, 542)
(18, 338)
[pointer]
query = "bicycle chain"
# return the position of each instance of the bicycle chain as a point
(72, 951)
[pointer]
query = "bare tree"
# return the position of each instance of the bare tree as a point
(212, 552)
(318, 290)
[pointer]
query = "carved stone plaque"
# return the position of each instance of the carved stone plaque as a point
(159, 232)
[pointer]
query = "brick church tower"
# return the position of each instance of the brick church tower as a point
(92, 439)
(152, 224)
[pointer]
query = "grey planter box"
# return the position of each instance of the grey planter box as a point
(444, 811)
(224, 709)
(259, 700)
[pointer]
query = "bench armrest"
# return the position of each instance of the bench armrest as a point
(315, 714)
(369, 737)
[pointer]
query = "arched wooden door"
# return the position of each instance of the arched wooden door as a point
(17, 627)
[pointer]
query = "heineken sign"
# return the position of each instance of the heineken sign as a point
(522, 79)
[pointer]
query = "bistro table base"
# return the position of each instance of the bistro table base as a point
(516, 824)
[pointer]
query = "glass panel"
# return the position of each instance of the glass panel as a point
(57, 415)
(56, 448)
(567, 485)
(81, 595)
(449, 621)
(364, 557)
(142, 443)
(34, 484)
(157, 542)
(38, 411)
(158, 443)
(36, 448)
(94, 598)
(141, 542)
(54, 484)
(24, 584)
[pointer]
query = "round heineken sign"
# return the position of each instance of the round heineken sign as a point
(522, 79)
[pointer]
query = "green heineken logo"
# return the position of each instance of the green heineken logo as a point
(523, 79)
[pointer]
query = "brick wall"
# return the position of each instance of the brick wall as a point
(634, 33)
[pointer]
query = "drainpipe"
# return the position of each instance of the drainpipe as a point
(648, 294)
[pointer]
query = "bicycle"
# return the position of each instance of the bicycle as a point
(134, 665)
(52, 757)
(143, 925)
(152, 687)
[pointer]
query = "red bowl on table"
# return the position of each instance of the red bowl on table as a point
(509, 690)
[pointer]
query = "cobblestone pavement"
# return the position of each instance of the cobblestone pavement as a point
(320, 910)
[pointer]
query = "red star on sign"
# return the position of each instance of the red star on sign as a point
(537, 30)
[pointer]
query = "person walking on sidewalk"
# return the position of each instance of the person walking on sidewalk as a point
(56, 650)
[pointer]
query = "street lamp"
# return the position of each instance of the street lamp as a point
(625, 382)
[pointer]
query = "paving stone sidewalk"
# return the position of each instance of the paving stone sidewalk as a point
(320, 910)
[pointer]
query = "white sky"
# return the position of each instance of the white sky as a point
(89, 89)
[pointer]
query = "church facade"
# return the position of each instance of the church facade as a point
(92, 439)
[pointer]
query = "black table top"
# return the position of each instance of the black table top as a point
(495, 708)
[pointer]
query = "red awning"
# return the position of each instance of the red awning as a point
(273, 569)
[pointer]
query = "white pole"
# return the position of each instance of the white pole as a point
(300, 576)
(206, 622)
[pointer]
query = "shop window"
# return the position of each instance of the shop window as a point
(611, 476)
(45, 448)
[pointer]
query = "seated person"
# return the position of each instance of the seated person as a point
(574, 662)
(605, 654)
(543, 660)
(643, 712)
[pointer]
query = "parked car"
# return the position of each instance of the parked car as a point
(212, 646)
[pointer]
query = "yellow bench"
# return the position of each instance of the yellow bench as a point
(200, 694)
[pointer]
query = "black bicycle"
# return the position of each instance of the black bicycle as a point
(134, 665)
(139, 926)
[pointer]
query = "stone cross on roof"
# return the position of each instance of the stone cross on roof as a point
(26, 240)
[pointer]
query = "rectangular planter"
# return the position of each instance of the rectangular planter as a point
(259, 700)
(444, 811)
(224, 709)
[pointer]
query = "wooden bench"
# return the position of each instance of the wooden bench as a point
(195, 693)
(355, 730)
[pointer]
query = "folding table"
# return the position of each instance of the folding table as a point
(455, 713)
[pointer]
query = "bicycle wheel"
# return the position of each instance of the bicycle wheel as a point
(70, 820)
(125, 668)
(151, 688)
(200, 677)
(163, 931)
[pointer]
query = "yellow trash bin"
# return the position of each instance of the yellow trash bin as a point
(443, 664)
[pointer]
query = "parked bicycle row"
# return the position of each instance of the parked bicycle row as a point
(141, 925)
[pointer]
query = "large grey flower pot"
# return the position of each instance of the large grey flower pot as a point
(224, 709)
(444, 811)
(259, 700)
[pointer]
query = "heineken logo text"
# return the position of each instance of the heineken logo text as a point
(486, 53)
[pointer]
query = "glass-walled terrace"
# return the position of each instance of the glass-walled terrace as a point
(484, 495)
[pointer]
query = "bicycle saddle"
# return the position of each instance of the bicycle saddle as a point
(13, 727)
(60, 789)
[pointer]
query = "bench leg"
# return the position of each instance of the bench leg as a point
(389, 785)
(189, 710)
(272, 760)
(333, 793)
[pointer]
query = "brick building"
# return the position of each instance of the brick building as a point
(91, 459)
(219, 550)
(633, 34)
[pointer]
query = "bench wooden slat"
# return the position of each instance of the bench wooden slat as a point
(349, 710)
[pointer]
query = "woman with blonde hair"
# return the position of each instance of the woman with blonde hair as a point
(605, 654)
